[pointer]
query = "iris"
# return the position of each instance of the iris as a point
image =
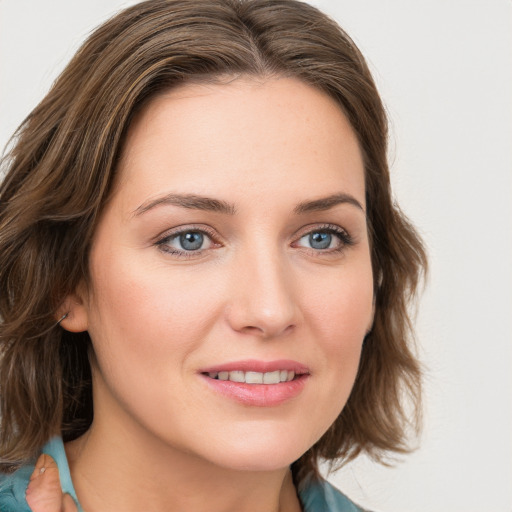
(320, 240)
(191, 241)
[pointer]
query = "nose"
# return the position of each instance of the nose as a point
(263, 301)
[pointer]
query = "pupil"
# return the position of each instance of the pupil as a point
(320, 240)
(191, 241)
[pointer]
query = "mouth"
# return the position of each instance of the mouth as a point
(252, 377)
(258, 383)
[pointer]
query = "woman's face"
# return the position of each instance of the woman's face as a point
(234, 247)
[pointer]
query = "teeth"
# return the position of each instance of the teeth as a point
(271, 377)
(237, 376)
(254, 377)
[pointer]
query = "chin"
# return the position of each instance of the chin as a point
(255, 462)
(259, 453)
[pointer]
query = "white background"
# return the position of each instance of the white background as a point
(444, 68)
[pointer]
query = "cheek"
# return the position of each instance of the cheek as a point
(339, 313)
(335, 380)
(343, 318)
(341, 307)
(144, 327)
(140, 315)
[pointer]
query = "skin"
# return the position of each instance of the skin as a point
(257, 289)
(44, 493)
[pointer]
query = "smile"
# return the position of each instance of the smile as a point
(250, 377)
(258, 383)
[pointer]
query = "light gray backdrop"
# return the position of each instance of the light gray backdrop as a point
(444, 68)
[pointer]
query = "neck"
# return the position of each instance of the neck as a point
(132, 472)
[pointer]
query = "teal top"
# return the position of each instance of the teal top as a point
(315, 497)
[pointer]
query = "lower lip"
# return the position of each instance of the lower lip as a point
(258, 395)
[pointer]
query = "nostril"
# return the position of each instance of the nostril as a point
(266, 331)
(252, 329)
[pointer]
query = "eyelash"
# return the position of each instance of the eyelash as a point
(163, 242)
(345, 240)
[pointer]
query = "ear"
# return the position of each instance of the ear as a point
(73, 313)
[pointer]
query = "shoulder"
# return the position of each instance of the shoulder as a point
(12, 490)
(321, 496)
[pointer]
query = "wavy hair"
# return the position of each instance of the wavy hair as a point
(59, 174)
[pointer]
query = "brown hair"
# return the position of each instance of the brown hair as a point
(60, 173)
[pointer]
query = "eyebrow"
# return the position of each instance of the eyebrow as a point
(196, 202)
(189, 201)
(326, 203)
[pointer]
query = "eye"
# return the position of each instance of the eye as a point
(319, 240)
(327, 239)
(191, 241)
(186, 242)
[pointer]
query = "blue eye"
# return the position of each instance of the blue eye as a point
(320, 240)
(328, 239)
(187, 241)
(191, 241)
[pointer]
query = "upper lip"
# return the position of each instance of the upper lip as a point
(253, 365)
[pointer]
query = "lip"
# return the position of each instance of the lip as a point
(254, 365)
(258, 395)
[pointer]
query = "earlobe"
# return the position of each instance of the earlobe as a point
(72, 314)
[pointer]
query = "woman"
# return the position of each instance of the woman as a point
(204, 280)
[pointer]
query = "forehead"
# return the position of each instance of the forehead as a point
(219, 138)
